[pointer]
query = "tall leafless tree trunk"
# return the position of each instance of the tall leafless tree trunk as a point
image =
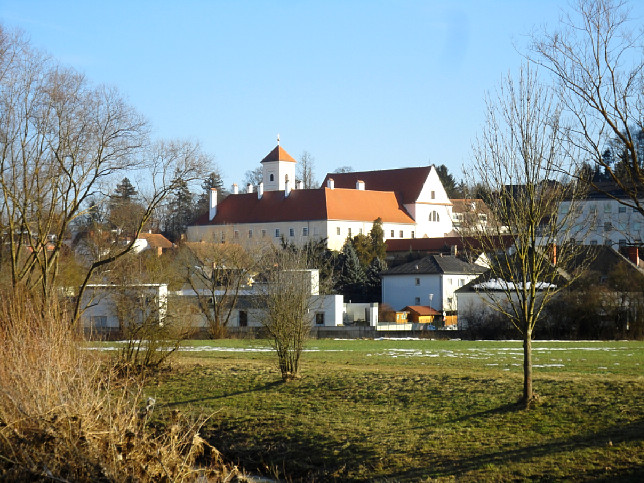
(519, 160)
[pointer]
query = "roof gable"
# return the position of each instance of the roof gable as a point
(436, 265)
(407, 183)
(278, 154)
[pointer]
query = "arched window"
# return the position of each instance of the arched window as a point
(272, 177)
(434, 216)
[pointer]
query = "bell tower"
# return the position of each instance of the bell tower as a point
(278, 167)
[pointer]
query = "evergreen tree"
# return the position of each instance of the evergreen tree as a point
(378, 245)
(214, 180)
(352, 277)
(448, 181)
(181, 211)
(124, 208)
(373, 285)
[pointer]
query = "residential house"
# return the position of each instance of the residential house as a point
(411, 203)
(431, 280)
(600, 219)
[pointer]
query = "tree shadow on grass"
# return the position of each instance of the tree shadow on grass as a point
(296, 454)
(627, 433)
(262, 387)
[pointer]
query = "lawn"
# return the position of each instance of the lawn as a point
(410, 410)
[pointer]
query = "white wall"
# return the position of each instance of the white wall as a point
(402, 290)
(602, 221)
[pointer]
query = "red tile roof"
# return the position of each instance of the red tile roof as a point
(441, 243)
(278, 154)
(156, 240)
(313, 204)
(421, 310)
(405, 182)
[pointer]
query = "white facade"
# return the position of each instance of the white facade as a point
(432, 211)
(433, 290)
(602, 221)
(297, 232)
(277, 173)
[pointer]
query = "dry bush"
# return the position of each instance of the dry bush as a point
(65, 416)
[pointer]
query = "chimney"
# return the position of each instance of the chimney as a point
(300, 185)
(249, 188)
(260, 190)
(287, 188)
(360, 185)
(330, 183)
(633, 255)
(213, 203)
(235, 189)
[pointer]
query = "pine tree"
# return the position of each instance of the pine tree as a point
(352, 277)
(378, 245)
(214, 180)
(373, 283)
(181, 211)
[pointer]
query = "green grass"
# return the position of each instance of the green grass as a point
(413, 410)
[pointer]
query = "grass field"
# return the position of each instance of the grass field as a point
(415, 410)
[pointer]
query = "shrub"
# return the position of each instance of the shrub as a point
(66, 416)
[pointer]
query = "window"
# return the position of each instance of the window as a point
(337, 231)
(319, 318)
(622, 242)
(263, 233)
(401, 233)
(316, 231)
(607, 208)
(417, 281)
(305, 231)
(461, 282)
(291, 232)
(417, 301)
(392, 234)
(622, 209)
(277, 232)
(433, 216)
(482, 217)
(608, 226)
(593, 242)
(433, 195)
(349, 231)
(236, 234)
(271, 177)
(243, 318)
(592, 209)
(250, 233)
(99, 321)
(360, 231)
(608, 242)
(413, 234)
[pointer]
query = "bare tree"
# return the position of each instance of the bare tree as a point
(288, 294)
(254, 176)
(595, 55)
(217, 273)
(62, 141)
(519, 159)
(305, 170)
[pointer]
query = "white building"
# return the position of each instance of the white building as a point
(599, 219)
(430, 281)
(411, 203)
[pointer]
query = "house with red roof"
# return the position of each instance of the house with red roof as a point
(411, 202)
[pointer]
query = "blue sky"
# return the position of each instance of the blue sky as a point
(369, 84)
